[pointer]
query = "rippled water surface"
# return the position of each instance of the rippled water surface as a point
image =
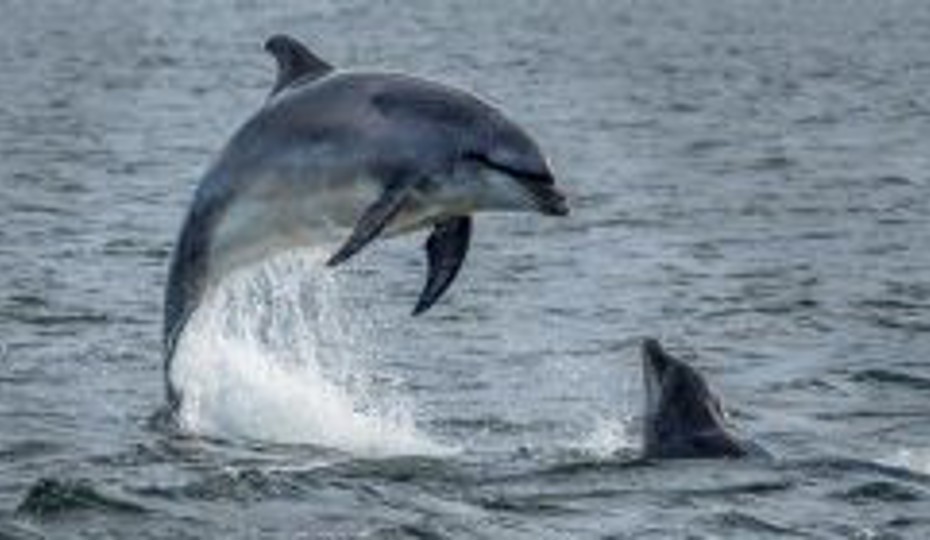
(750, 182)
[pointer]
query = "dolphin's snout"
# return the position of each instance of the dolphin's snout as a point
(534, 178)
(548, 200)
(539, 181)
(654, 357)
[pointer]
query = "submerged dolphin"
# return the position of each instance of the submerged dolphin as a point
(333, 151)
(683, 418)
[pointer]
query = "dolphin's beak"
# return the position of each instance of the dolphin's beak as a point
(654, 357)
(547, 199)
(536, 182)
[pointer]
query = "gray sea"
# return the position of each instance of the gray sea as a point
(750, 183)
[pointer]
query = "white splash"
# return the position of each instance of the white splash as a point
(610, 437)
(619, 432)
(273, 354)
(917, 460)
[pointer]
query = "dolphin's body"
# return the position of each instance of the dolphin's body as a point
(371, 153)
(683, 418)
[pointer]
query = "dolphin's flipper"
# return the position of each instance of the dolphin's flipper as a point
(372, 222)
(445, 251)
(295, 61)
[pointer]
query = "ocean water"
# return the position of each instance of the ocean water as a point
(750, 182)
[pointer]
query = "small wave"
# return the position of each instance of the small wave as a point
(274, 355)
(773, 163)
(894, 180)
(407, 532)
(884, 376)
(50, 496)
(906, 465)
(577, 468)
(61, 319)
(21, 450)
(398, 469)
(243, 485)
(911, 459)
(733, 519)
(757, 488)
(911, 324)
(880, 491)
(273, 481)
(484, 424)
(535, 505)
(13, 529)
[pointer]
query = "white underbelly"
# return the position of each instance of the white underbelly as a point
(264, 222)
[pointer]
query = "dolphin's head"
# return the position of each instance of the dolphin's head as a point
(513, 173)
(683, 418)
(480, 159)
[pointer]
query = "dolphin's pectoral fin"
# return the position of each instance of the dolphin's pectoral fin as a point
(372, 222)
(445, 251)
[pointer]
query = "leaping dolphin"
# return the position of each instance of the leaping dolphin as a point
(332, 151)
(683, 418)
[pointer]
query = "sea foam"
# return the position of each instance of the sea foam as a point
(275, 354)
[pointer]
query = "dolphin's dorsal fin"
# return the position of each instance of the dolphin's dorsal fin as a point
(295, 61)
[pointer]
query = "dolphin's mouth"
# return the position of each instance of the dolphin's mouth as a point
(539, 185)
(546, 198)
